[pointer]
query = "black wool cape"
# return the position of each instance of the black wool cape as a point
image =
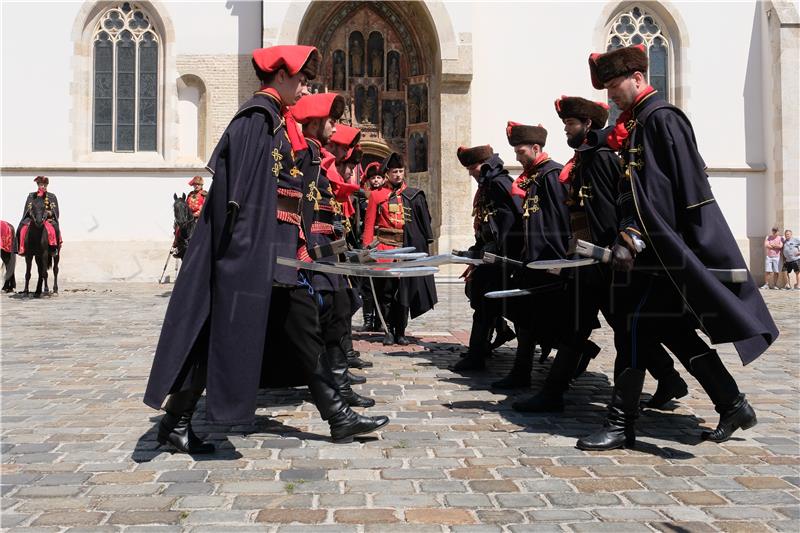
(220, 303)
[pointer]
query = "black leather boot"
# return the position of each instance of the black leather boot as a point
(474, 360)
(347, 424)
(388, 339)
(503, 334)
(338, 363)
(590, 351)
(369, 322)
(735, 412)
(520, 374)
(400, 336)
(619, 428)
(344, 423)
(354, 360)
(355, 379)
(669, 388)
(551, 398)
(175, 427)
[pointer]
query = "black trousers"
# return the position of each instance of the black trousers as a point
(486, 311)
(334, 318)
(394, 312)
(294, 322)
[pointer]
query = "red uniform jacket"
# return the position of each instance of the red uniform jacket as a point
(385, 210)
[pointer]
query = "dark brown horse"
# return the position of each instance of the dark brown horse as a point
(37, 247)
(183, 225)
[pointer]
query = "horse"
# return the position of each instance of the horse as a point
(183, 225)
(8, 253)
(37, 246)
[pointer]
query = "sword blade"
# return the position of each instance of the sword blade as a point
(347, 269)
(561, 263)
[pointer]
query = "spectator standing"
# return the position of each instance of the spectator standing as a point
(773, 245)
(791, 259)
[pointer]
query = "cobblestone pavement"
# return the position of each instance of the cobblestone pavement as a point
(79, 451)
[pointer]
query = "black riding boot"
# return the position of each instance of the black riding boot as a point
(520, 375)
(503, 334)
(343, 421)
(590, 351)
(619, 428)
(354, 379)
(477, 352)
(551, 398)
(353, 356)
(400, 321)
(734, 410)
(338, 362)
(670, 384)
(175, 427)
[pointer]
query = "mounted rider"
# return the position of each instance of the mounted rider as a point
(51, 216)
(197, 197)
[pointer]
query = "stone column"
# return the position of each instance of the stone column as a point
(455, 187)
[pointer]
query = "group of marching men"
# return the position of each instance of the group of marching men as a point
(628, 227)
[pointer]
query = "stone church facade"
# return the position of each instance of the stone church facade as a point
(123, 102)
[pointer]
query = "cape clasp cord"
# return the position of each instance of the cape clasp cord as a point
(337, 207)
(276, 169)
(294, 172)
(585, 193)
(314, 195)
(406, 214)
(531, 205)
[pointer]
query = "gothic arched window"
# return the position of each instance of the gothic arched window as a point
(637, 26)
(125, 88)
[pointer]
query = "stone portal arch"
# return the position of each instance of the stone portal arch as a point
(401, 98)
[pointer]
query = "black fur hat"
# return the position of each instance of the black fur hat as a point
(619, 62)
(581, 108)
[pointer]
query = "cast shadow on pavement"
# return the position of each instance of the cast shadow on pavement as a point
(585, 402)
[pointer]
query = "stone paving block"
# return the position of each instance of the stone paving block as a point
(144, 517)
(609, 527)
(447, 517)
(137, 503)
(294, 501)
(648, 498)
(546, 485)
(253, 487)
(638, 515)
(761, 497)
(162, 529)
(380, 487)
(307, 474)
(434, 487)
(404, 500)
(687, 527)
(467, 500)
(742, 527)
(741, 513)
(182, 476)
(535, 528)
(700, 497)
(479, 528)
(48, 492)
(493, 485)
(413, 473)
(762, 482)
(288, 516)
(563, 499)
(8, 520)
(789, 526)
(216, 517)
(402, 528)
(605, 484)
(499, 516)
(319, 528)
(519, 501)
(559, 515)
(365, 516)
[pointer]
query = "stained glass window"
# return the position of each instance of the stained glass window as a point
(637, 26)
(125, 97)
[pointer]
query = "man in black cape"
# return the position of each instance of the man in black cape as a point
(324, 198)
(497, 221)
(546, 231)
(672, 234)
(215, 331)
(398, 215)
(592, 177)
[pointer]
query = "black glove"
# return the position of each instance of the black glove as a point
(621, 258)
(338, 227)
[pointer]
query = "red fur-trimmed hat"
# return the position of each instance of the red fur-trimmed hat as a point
(471, 156)
(371, 170)
(393, 160)
(197, 180)
(581, 108)
(294, 58)
(320, 105)
(619, 62)
(346, 135)
(521, 134)
(42, 179)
